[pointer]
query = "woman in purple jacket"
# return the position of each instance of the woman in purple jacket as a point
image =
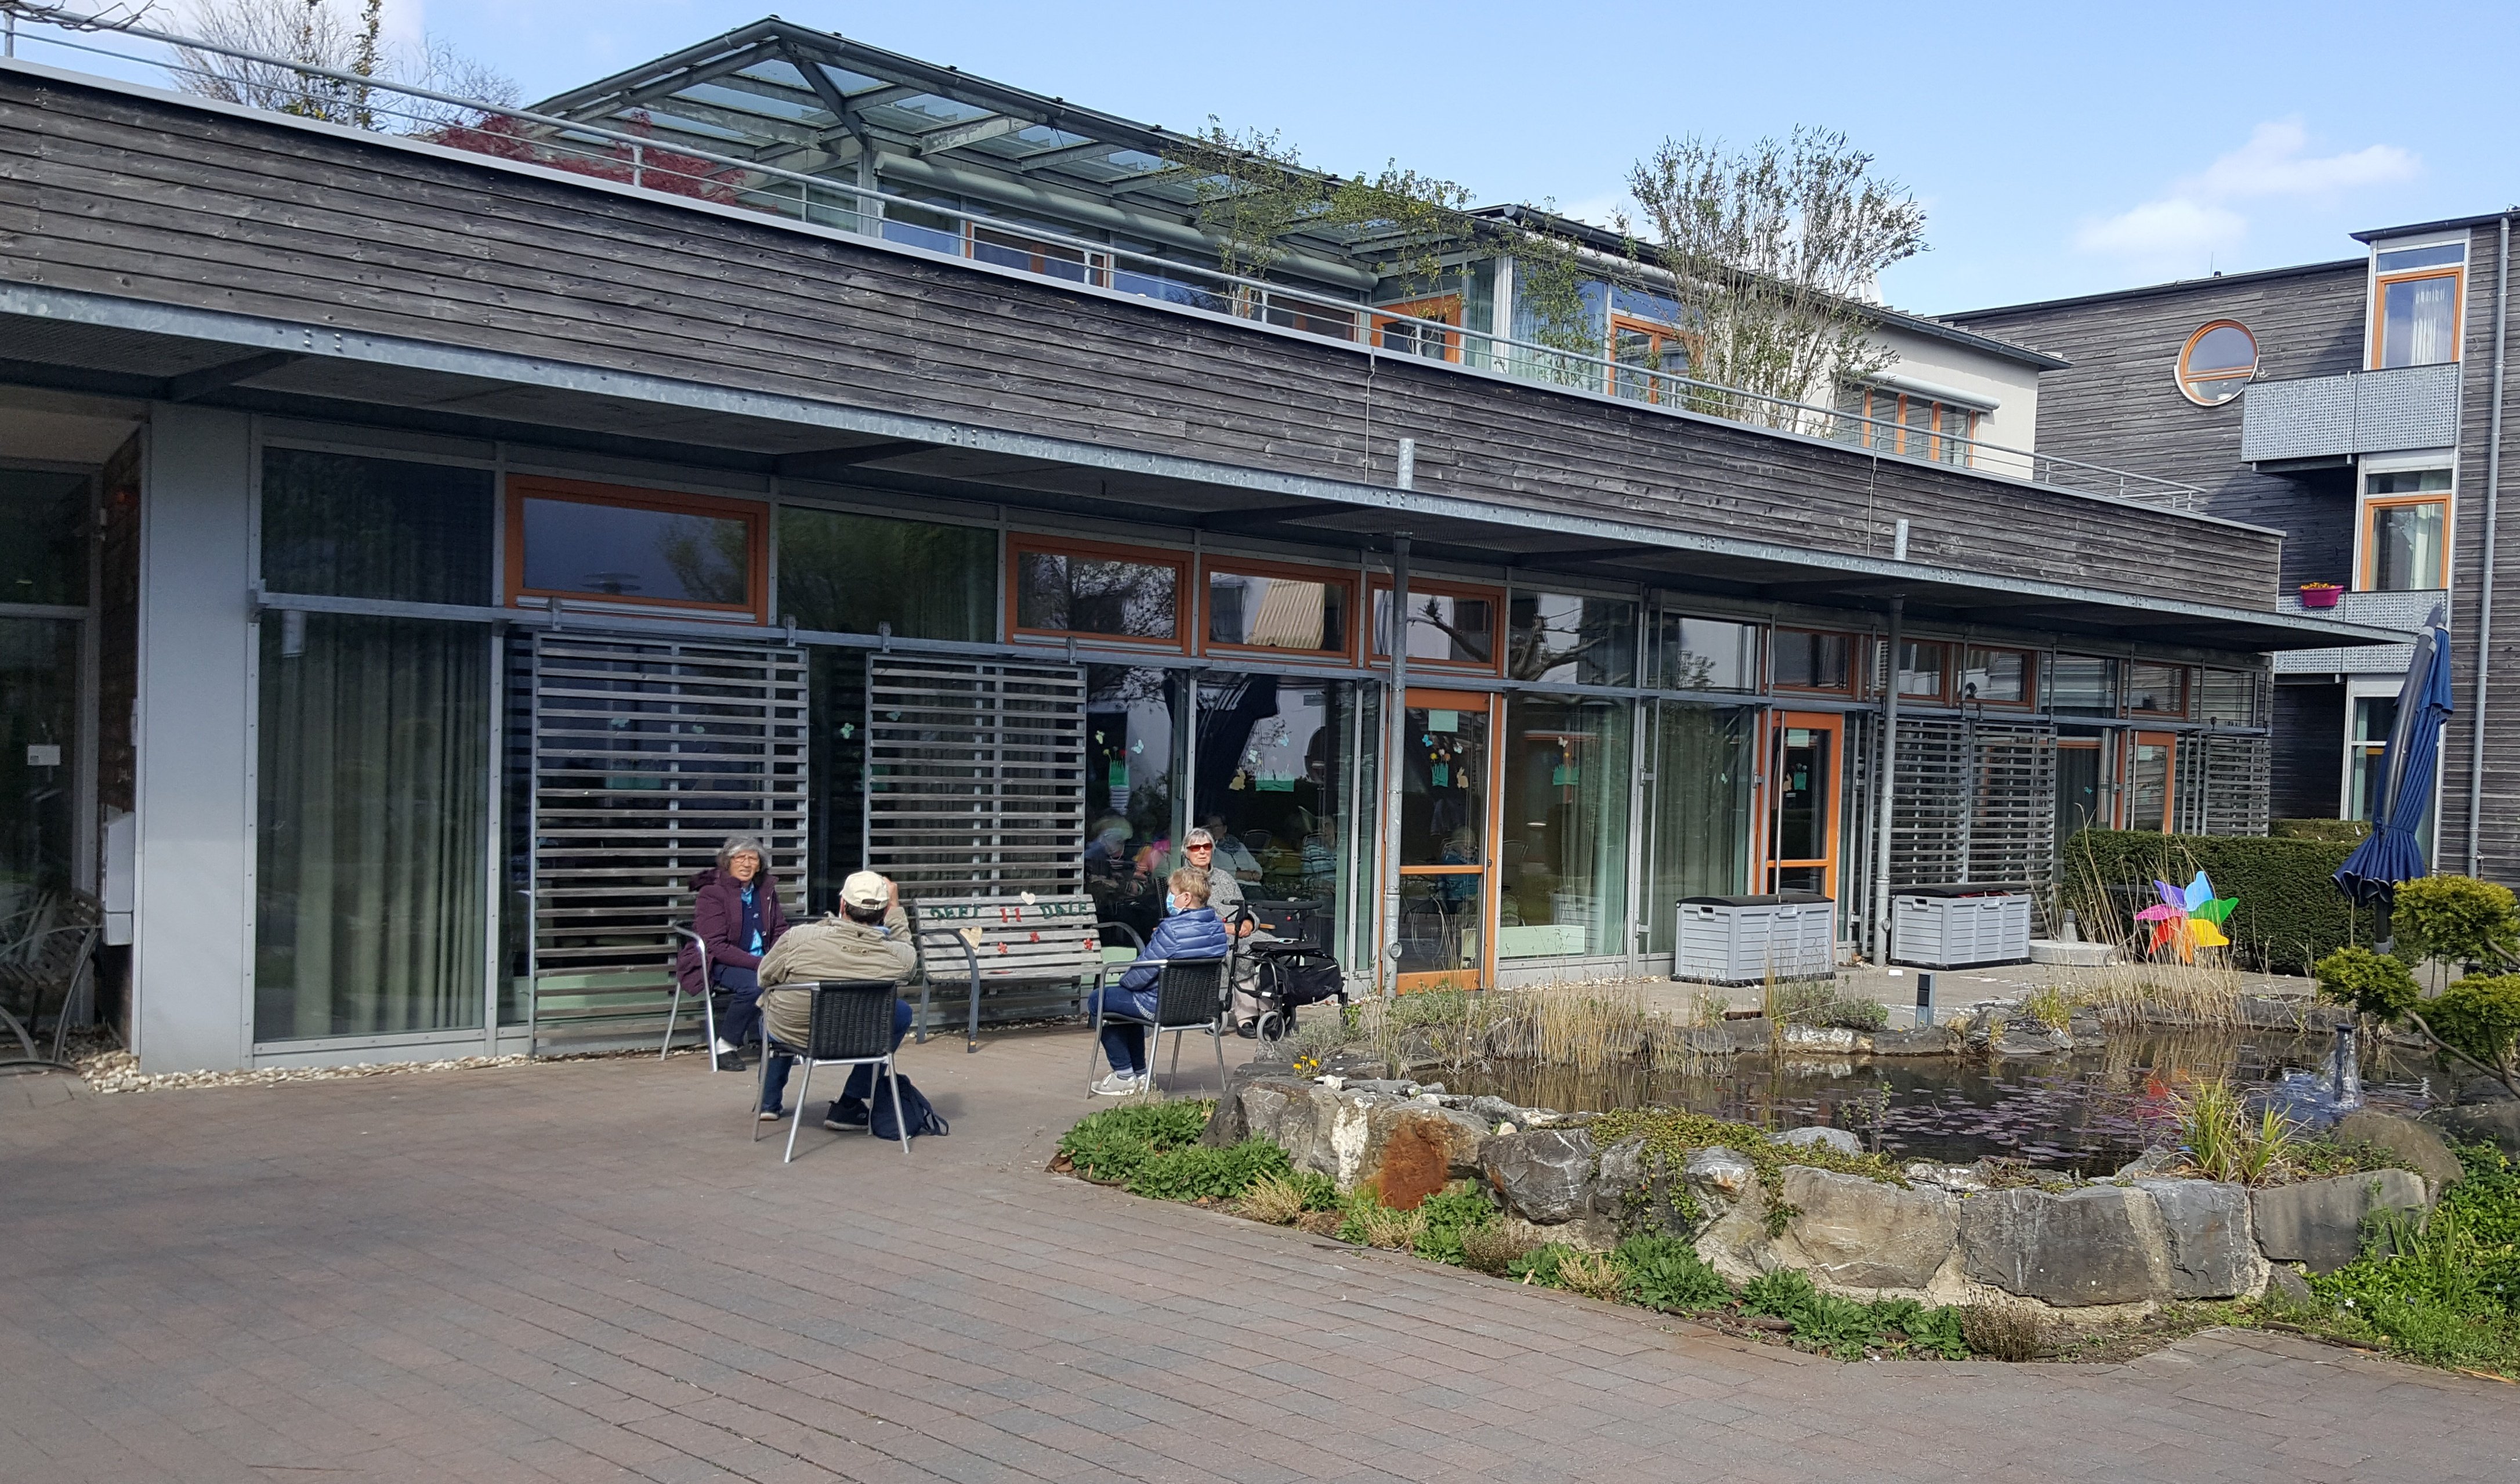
(1189, 930)
(735, 909)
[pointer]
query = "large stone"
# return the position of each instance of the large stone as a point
(2477, 1090)
(2320, 1221)
(2401, 1139)
(1413, 1149)
(1822, 1137)
(2098, 1244)
(1854, 1233)
(2495, 1123)
(1639, 1193)
(1300, 1117)
(2205, 1225)
(1918, 1041)
(1545, 1176)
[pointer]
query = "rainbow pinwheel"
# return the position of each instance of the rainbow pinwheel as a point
(2188, 920)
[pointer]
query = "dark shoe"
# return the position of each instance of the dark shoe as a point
(730, 1061)
(1248, 1030)
(847, 1113)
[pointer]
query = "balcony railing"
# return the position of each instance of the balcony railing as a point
(2363, 412)
(627, 157)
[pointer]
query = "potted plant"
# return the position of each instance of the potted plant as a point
(2319, 595)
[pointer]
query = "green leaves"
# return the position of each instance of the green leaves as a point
(1666, 1272)
(2479, 1016)
(1112, 1145)
(2375, 984)
(2456, 919)
(1198, 1171)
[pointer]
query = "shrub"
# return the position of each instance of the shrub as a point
(1273, 1199)
(2290, 913)
(1816, 1001)
(1111, 1145)
(2334, 831)
(1446, 1216)
(1666, 1272)
(1492, 1250)
(1540, 1264)
(1593, 1274)
(2456, 919)
(2447, 1295)
(2003, 1333)
(1367, 1221)
(2479, 1017)
(2374, 983)
(1199, 1171)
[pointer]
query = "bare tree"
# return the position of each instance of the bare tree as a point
(300, 35)
(1778, 250)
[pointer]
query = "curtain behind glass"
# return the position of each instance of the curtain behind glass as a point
(1564, 845)
(359, 528)
(374, 817)
(1701, 812)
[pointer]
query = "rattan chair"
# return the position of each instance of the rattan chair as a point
(850, 1024)
(1189, 995)
(707, 998)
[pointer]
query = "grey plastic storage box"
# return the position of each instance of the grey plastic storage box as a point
(1749, 940)
(1958, 926)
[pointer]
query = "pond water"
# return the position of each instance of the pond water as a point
(2089, 1112)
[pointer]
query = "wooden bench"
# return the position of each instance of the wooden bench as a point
(1031, 953)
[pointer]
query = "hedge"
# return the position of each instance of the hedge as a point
(2290, 914)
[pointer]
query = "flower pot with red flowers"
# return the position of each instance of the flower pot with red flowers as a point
(2319, 595)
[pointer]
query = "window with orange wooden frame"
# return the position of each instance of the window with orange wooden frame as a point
(1639, 346)
(1923, 427)
(1274, 608)
(2405, 543)
(1393, 330)
(1464, 625)
(2415, 315)
(1058, 589)
(650, 547)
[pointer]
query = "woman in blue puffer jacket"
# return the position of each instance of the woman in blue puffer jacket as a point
(1189, 930)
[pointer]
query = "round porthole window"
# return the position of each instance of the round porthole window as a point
(2216, 363)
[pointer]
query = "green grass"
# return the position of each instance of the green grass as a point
(2447, 1293)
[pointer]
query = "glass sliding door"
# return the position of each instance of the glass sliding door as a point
(1562, 852)
(1700, 810)
(39, 686)
(1446, 792)
(372, 826)
(1805, 751)
(1272, 785)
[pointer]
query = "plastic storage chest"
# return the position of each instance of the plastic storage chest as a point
(1747, 940)
(1958, 926)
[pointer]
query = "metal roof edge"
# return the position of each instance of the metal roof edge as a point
(2175, 286)
(2446, 224)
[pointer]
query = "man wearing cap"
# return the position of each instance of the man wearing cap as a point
(867, 938)
(1225, 897)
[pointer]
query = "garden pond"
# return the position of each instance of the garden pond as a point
(2083, 1112)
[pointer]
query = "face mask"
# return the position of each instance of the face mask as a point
(1172, 906)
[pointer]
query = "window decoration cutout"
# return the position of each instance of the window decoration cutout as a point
(2217, 362)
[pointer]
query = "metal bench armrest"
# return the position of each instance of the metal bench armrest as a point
(928, 983)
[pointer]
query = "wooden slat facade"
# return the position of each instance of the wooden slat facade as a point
(142, 198)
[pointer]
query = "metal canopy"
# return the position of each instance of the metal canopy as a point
(487, 396)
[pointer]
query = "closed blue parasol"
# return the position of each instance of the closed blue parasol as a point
(2405, 788)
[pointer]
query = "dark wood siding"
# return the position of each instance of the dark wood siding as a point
(136, 197)
(2498, 815)
(2119, 403)
(2309, 757)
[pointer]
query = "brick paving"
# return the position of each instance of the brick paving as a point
(582, 1270)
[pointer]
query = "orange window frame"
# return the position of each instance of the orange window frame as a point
(754, 516)
(1018, 545)
(1442, 308)
(1938, 427)
(2381, 286)
(2168, 742)
(1853, 665)
(2366, 538)
(1771, 801)
(2185, 378)
(2029, 677)
(1494, 597)
(1657, 334)
(1488, 871)
(1344, 581)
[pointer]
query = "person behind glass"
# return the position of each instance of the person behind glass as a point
(867, 939)
(1189, 930)
(736, 911)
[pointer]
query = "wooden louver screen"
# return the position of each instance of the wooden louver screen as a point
(2223, 784)
(645, 756)
(1974, 802)
(975, 775)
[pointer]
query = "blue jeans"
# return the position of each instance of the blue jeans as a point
(774, 1080)
(1124, 1044)
(741, 1025)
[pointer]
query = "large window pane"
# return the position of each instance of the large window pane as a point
(1307, 615)
(2083, 685)
(375, 812)
(1271, 781)
(1564, 849)
(1808, 662)
(2407, 547)
(1057, 593)
(2000, 677)
(1443, 627)
(359, 528)
(1707, 654)
(1128, 792)
(845, 574)
(2158, 690)
(1572, 640)
(38, 758)
(1921, 669)
(1700, 810)
(2419, 320)
(700, 554)
(45, 558)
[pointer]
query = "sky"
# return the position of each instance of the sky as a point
(2057, 150)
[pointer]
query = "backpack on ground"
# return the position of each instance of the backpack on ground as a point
(916, 1110)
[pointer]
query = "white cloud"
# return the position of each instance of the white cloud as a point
(2196, 220)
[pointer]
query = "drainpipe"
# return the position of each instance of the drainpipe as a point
(1881, 794)
(1395, 717)
(2485, 582)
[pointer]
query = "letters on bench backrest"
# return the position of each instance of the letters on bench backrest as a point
(1016, 939)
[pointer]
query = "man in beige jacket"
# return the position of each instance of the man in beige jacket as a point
(867, 938)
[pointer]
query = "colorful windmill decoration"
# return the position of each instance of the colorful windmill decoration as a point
(2188, 920)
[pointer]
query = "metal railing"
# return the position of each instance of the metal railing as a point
(637, 158)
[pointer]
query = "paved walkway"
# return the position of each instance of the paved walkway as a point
(582, 1270)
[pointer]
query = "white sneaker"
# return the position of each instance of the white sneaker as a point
(1119, 1085)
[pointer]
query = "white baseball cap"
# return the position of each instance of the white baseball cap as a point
(866, 890)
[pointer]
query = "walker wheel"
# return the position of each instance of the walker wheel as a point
(1273, 1026)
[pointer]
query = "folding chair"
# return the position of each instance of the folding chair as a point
(708, 999)
(1189, 995)
(850, 1024)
